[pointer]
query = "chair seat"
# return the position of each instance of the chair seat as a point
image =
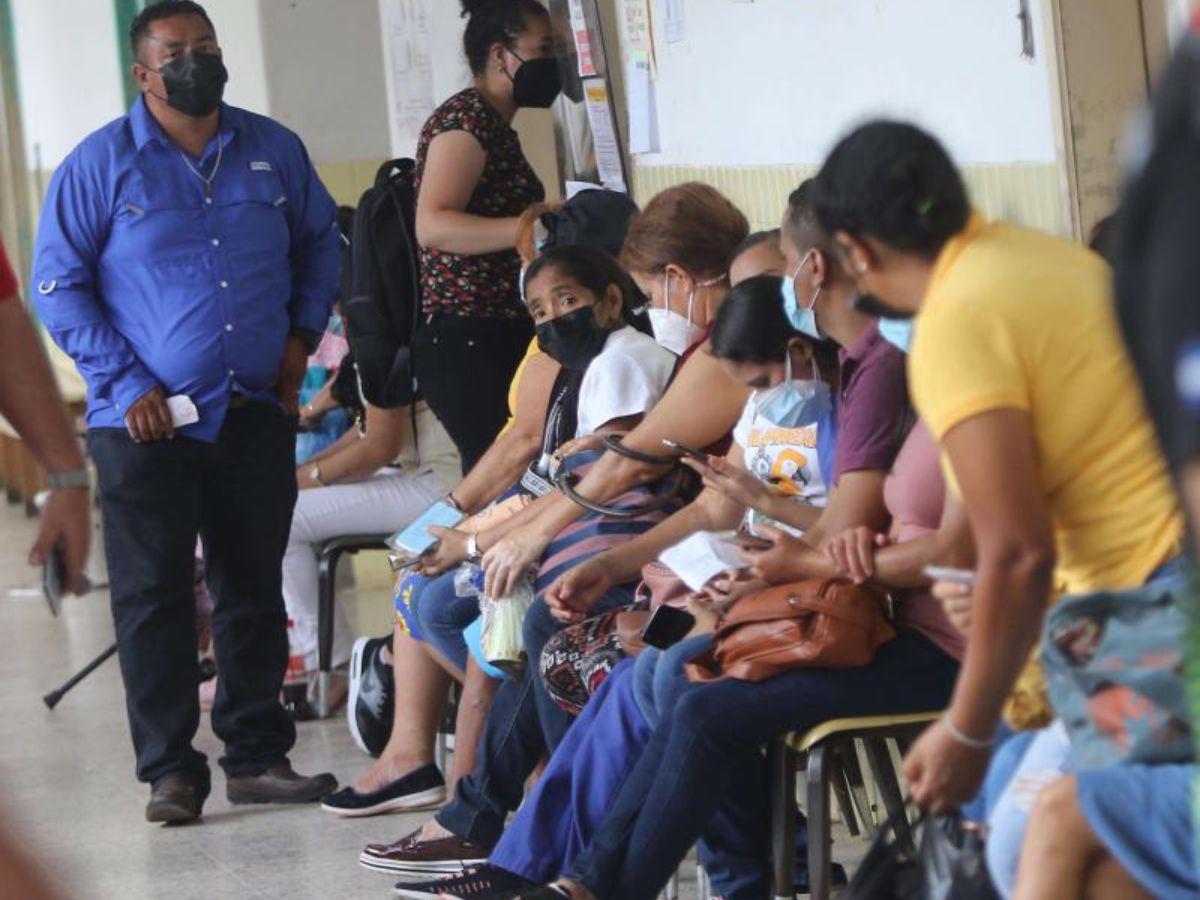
(801, 741)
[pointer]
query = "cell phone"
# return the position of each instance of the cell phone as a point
(416, 539)
(667, 627)
(745, 539)
(945, 573)
(399, 563)
(54, 580)
(686, 450)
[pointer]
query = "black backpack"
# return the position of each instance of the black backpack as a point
(383, 310)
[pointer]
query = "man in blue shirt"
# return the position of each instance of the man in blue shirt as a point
(188, 252)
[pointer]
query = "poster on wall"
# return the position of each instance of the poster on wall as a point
(675, 24)
(407, 38)
(637, 32)
(604, 134)
(583, 40)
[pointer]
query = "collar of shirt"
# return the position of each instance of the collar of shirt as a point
(145, 127)
(953, 249)
(863, 346)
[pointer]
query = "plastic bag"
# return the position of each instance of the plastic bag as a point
(503, 627)
(953, 866)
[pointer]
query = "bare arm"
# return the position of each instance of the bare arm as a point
(353, 458)
(994, 457)
(512, 451)
(453, 166)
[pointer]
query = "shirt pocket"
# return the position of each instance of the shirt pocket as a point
(153, 231)
(254, 214)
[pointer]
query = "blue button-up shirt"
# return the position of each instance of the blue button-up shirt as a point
(145, 278)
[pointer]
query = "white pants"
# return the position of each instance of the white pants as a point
(386, 502)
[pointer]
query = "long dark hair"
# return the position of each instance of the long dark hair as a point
(751, 327)
(894, 182)
(492, 22)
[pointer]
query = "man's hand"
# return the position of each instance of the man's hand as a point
(149, 419)
(291, 375)
(942, 773)
(66, 522)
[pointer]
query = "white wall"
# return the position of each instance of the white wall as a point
(778, 81)
(69, 73)
(324, 65)
(239, 30)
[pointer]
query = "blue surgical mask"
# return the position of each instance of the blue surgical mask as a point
(897, 332)
(803, 318)
(794, 404)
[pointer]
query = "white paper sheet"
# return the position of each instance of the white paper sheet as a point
(698, 558)
(643, 106)
(608, 150)
(583, 39)
(675, 26)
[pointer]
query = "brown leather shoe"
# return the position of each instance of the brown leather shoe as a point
(279, 784)
(410, 854)
(177, 798)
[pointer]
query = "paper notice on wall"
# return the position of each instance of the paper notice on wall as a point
(675, 24)
(582, 37)
(604, 134)
(637, 35)
(643, 108)
(408, 35)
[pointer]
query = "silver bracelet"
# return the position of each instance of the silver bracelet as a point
(965, 739)
(68, 480)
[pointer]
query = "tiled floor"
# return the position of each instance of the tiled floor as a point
(67, 787)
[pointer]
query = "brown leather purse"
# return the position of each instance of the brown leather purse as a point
(827, 624)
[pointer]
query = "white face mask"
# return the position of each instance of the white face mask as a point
(675, 332)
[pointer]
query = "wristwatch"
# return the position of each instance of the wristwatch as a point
(315, 474)
(68, 480)
(473, 554)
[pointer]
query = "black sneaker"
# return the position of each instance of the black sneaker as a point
(477, 883)
(419, 789)
(372, 695)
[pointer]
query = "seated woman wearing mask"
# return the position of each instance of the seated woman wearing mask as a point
(677, 250)
(610, 373)
(1019, 370)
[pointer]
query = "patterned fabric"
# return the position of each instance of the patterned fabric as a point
(484, 284)
(577, 660)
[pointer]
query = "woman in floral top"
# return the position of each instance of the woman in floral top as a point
(473, 184)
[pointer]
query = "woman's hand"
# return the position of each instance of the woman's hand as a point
(776, 564)
(574, 593)
(505, 564)
(853, 552)
(449, 551)
(956, 603)
(732, 481)
(304, 479)
(580, 444)
(720, 595)
(310, 417)
(943, 773)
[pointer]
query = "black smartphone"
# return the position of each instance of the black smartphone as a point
(686, 450)
(667, 627)
(745, 540)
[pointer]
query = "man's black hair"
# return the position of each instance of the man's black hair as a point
(164, 9)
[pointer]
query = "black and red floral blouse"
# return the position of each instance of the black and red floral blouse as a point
(486, 284)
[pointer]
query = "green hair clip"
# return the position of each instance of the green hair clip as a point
(925, 207)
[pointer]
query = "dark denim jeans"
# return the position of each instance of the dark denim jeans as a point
(705, 758)
(238, 495)
(522, 724)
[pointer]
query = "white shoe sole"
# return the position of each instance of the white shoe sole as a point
(418, 871)
(355, 683)
(408, 803)
(399, 891)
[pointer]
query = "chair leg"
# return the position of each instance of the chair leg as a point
(858, 787)
(820, 840)
(839, 781)
(326, 596)
(880, 761)
(782, 765)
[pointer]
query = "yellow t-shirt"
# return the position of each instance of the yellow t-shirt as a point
(515, 384)
(1019, 319)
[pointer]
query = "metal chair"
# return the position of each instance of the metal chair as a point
(833, 763)
(329, 555)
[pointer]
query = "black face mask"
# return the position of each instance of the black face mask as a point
(537, 82)
(572, 340)
(195, 83)
(873, 306)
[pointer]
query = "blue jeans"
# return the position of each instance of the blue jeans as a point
(443, 615)
(521, 725)
(705, 757)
